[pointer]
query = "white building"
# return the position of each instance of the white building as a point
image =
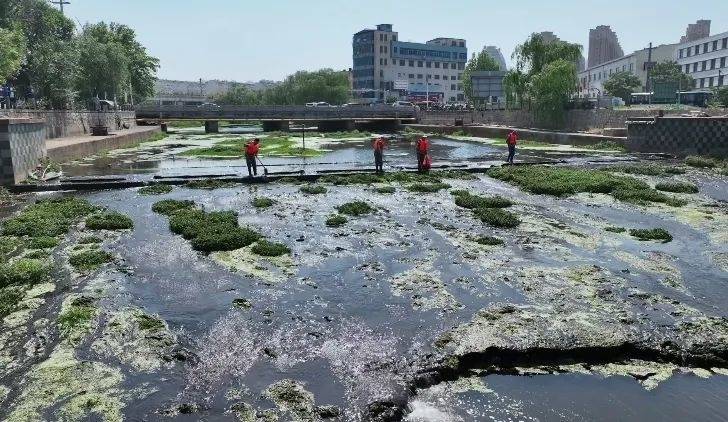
(591, 80)
(706, 60)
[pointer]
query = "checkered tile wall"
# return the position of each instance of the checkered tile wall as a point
(680, 136)
(22, 145)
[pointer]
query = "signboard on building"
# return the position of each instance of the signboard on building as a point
(488, 86)
(401, 84)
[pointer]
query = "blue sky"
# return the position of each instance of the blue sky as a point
(248, 40)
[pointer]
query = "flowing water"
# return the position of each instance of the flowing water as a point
(356, 307)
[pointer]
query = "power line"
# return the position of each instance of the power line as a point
(59, 3)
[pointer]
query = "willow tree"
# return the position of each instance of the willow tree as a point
(12, 53)
(551, 89)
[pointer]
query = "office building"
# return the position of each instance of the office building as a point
(706, 60)
(496, 54)
(385, 66)
(696, 31)
(603, 46)
(591, 80)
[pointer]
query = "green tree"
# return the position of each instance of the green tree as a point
(240, 95)
(622, 85)
(670, 71)
(479, 62)
(12, 52)
(721, 96)
(113, 65)
(49, 66)
(552, 88)
(535, 54)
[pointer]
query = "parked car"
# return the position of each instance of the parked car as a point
(351, 105)
(402, 104)
(319, 104)
(208, 106)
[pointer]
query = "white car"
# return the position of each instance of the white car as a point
(402, 104)
(209, 106)
(319, 104)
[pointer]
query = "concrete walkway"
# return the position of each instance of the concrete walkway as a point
(73, 147)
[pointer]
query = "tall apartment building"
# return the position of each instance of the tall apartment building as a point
(696, 31)
(603, 46)
(496, 54)
(384, 65)
(591, 80)
(706, 60)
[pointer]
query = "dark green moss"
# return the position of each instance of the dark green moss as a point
(475, 201)
(90, 260)
(385, 190)
(24, 271)
(74, 317)
(336, 221)
(677, 187)
(10, 246)
(210, 232)
(615, 229)
(675, 170)
(227, 239)
(242, 303)
(355, 208)
(87, 240)
(701, 162)
(262, 202)
(43, 242)
(109, 221)
(37, 254)
(497, 217)
(49, 217)
(642, 169)
(149, 323)
(155, 189)
(209, 184)
(646, 196)
(266, 248)
(170, 206)
(652, 234)
(313, 189)
(427, 187)
(489, 241)
(9, 299)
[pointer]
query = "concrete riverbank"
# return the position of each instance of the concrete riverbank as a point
(73, 147)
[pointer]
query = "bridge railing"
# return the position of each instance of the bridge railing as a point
(274, 112)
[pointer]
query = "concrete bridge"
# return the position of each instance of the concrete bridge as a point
(280, 117)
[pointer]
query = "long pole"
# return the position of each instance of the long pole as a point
(649, 71)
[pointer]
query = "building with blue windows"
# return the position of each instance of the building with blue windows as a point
(384, 66)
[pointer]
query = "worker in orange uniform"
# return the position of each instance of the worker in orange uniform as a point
(423, 147)
(512, 140)
(379, 155)
(251, 154)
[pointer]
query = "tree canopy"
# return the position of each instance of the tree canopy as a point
(544, 76)
(670, 71)
(12, 52)
(60, 66)
(622, 85)
(479, 62)
(302, 87)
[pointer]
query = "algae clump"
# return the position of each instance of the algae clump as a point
(266, 248)
(356, 208)
(109, 221)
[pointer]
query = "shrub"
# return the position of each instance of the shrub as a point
(615, 229)
(209, 184)
(37, 254)
(646, 196)
(336, 221)
(24, 271)
(262, 202)
(9, 246)
(90, 260)
(49, 217)
(109, 221)
(355, 208)
(155, 189)
(459, 192)
(149, 323)
(266, 248)
(651, 234)
(643, 169)
(497, 217)
(385, 190)
(76, 317)
(677, 187)
(43, 242)
(427, 187)
(88, 240)
(9, 299)
(701, 162)
(474, 201)
(313, 189)
(170, 206)
(489, 241)
(674, 170)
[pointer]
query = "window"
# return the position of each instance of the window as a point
(419, 63)
(631, 67)
(712, 64)
(690, 51)
(419, 76)
(695, 67)
(725, 43)
(702, 82)
(453, 78)
(715, 45)
(705, 48)
(428, 64)
(460, 87)
(437, 65)
(697, 49)
(722, 62)
(411, 75)
(624, 68)
(385, 62)
(461, 66)
(710, 82)
(460, 76)
(401, 62)
(682, 51)
(411, 63)
(462, 43)
(453, 66)
(444, 77)
(394, 49)
(381, 37)
(453, 87)
(687, 68)
(394, 38)
(610, 71)
(386, 49)
(437, 77)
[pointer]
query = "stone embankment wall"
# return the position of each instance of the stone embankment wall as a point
(680, 136)
(62, 123)
(22, 145)
(575, 120)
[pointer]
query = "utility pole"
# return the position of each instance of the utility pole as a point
(60, 3)
(649, 72)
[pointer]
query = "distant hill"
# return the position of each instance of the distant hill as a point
(205, 89)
